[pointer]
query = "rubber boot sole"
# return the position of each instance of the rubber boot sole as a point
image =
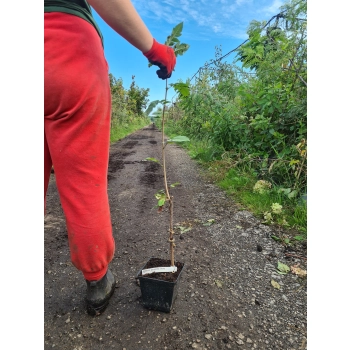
(98, 310)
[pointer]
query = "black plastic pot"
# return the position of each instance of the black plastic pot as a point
(158, 294)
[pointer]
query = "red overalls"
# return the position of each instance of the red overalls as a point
(76, 139)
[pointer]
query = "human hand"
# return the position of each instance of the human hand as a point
(162, 56)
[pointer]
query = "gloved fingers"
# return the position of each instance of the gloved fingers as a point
(172, 58)
(163, 74)
(162, 56)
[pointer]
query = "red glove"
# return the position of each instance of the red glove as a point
(162, 56)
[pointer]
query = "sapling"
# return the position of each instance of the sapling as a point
(164, 196)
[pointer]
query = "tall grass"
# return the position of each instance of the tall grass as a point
(119, 131)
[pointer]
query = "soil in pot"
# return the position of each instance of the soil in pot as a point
(164, 276)
(159, 289)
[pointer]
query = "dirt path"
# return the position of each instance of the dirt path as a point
(225, 297)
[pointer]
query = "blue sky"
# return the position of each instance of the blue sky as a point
(207, 23)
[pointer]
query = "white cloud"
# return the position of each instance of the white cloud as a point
(223, 18)
(242, 2)
(272, 9)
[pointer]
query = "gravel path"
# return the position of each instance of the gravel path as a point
(225, 297)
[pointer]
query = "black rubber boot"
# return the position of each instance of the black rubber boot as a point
(98, 293)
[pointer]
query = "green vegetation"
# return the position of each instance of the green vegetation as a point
(240, 180)
(120, 131)
(127, 108)
(247, 120)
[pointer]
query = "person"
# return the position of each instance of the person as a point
(77, 109)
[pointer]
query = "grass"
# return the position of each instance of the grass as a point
(239, 182)
(119, 131)
(240, 186)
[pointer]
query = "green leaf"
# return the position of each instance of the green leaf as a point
(275, 238)
(161, 202)
(299, 238)
(152, 159)
(209, 222)
(275, 284)
(292, 194)
(160, 195)
(218, 283)
(282, 268)
(182, 88)
(174, 41)
(177, 30)
(180, 49)
(151, 107)
(175, 184)
(178, 139)
(285, 190)
(184, 229)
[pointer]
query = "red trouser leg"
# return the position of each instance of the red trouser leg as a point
(77, 130)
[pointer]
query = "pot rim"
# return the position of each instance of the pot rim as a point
(139, 274)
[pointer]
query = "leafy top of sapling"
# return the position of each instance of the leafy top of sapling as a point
(173, 41)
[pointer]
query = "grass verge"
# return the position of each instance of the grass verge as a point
(273, 206)
(119, 131)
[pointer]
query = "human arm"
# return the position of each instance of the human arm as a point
(122, 16)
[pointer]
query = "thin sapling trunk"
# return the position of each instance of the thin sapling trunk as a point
(168, 196)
